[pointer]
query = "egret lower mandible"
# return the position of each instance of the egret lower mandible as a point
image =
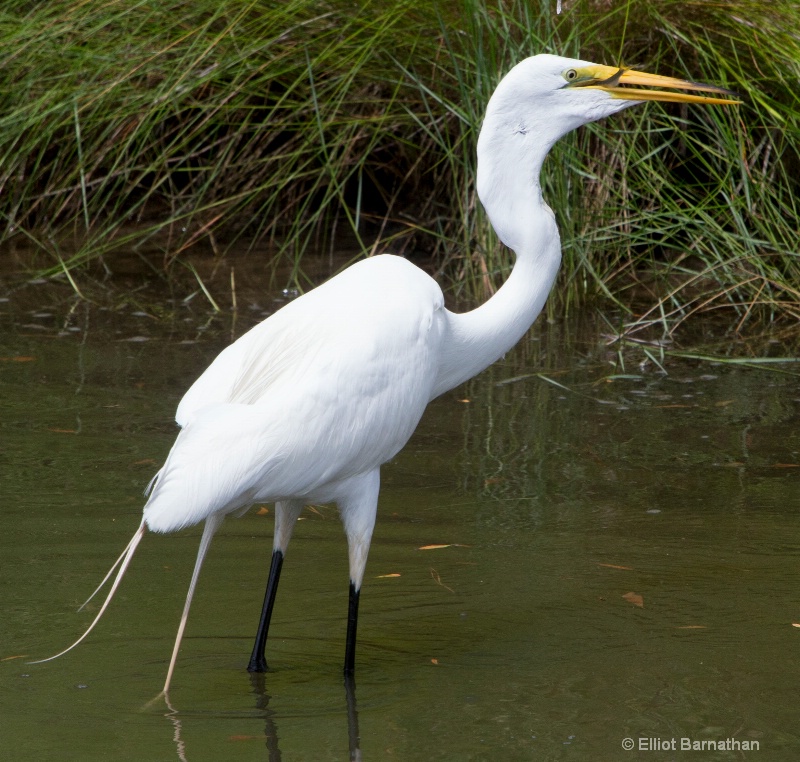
(307, 405)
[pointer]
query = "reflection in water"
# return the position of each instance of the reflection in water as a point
(257, 681)
(352, 719)
(177, 727)
(258, 684)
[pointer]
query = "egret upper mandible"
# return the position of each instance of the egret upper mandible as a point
(307, 405)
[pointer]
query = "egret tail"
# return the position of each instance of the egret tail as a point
(124, 560)
(110, 571)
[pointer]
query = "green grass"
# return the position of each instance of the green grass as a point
(165, 125)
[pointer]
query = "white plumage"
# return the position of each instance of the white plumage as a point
(290, 411)
(308, 405)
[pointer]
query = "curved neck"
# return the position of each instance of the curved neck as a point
(475, 339)
(511, 151)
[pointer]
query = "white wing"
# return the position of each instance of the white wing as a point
(329, 387)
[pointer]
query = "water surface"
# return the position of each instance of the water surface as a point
(622, 560)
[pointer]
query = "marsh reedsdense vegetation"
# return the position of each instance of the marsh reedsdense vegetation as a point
(301, 123)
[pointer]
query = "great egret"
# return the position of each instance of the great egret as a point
(306, 406)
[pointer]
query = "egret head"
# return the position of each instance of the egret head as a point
(557, 95)
(543, 98)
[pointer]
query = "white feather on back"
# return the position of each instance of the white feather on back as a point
(329, 387)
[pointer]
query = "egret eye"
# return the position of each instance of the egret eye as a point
(571, 75)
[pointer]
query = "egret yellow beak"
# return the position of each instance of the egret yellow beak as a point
(617, 81)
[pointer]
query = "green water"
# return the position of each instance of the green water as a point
(522, 640)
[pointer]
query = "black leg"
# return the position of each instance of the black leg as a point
(258, 662)
(352, 624)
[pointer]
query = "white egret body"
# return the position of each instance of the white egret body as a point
(306, 406)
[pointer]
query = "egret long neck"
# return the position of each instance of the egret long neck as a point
(474, 340)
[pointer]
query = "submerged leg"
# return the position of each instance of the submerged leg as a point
(358, 511)
(286, 514)
(353, 736)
